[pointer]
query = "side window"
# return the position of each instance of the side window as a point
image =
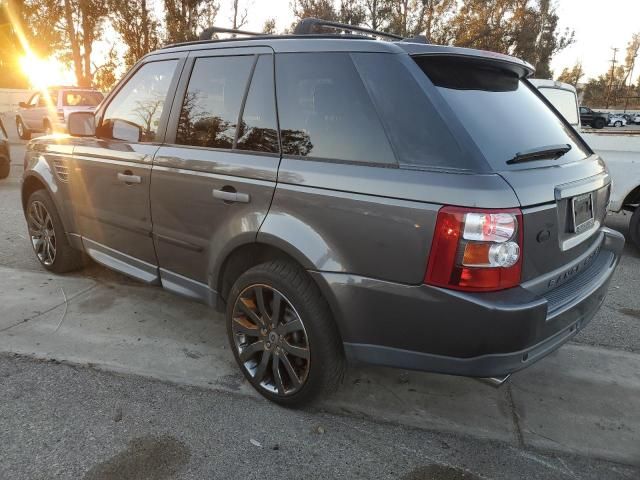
(419, 134)
(325, 110)
(212, 103)
(134, 113)
(34, 100)
(258, 129)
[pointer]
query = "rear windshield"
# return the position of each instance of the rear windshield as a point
(81, 99)
(565, 102)
(502, 113)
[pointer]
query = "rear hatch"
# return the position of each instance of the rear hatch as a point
(563, 188)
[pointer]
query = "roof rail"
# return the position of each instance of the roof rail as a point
(307, 26)
(207, 33)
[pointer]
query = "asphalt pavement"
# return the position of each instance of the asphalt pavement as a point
(148, 389)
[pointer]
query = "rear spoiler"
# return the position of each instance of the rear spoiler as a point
(519, 67)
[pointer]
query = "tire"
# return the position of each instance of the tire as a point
(23, 131)
(634, 227)
(617, 124)
(41, 211)
(305, 326)
(5, 168)
(598, 123)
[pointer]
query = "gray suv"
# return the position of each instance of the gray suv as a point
(340, 198)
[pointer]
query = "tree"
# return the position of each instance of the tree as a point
(377, 13)
(82, 26)
(137, 27)
(351, 12)
(572, 75)
(239, 17)
(105, 75)
(183, 18)
(269, 26)
(323, 9)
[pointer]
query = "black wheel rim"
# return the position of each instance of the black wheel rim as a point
(43, 235)
(270, 340)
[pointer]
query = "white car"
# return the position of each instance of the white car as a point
(47, 111)
(636, 118)
(616, 120)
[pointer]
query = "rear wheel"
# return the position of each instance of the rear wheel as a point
(5, 167)
(634, 227)
(598, 123)
(48, 238)
(283, 335)
(617, 124)
(23, 131)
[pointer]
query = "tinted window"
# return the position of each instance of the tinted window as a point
(212, 103)
(325, 110)
(502, 113)
(417, 131)
(565, 102)
(81, 99)
(259, 129)
(138, 106)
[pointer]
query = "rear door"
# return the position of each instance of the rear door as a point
(112, 171)
(213, 180)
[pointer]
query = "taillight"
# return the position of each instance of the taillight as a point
(476, 250)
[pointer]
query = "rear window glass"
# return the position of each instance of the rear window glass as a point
(325, 110)
(418, 133)
(81, 99)
(503, 115)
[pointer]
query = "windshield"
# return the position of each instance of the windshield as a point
(82, 99)
(501, 112)
(565, 102)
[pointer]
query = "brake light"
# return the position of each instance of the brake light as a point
(476, 250)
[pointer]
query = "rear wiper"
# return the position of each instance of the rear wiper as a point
(552, 152)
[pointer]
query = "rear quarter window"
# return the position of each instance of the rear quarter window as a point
(325, 110)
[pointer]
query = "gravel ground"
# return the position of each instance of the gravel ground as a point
(75, 422)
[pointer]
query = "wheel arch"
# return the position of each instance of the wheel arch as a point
(632, 198)
(248, 255)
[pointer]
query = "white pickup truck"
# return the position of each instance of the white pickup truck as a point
(619, 149)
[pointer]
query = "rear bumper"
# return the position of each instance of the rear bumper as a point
(472, 334)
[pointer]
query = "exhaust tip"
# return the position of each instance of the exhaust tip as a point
(495, 382)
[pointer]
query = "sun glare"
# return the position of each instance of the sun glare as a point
(43, 73)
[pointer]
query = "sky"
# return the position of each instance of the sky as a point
(599, 25)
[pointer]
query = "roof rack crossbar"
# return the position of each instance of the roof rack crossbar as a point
(207, 33)
(306, 26)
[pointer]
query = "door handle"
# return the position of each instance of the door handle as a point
(231, 196)
(129, 178)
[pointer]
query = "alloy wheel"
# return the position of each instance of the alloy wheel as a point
(43, 235)
(270, 340)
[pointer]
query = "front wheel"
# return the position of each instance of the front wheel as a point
(617, 124)
(48, 237)
(598, 123)
(283, 335)
(634, 227)
(23, 131)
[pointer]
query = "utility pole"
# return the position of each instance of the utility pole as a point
(613, 66)
(626, 98)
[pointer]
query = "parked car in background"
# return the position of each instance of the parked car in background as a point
(635, 118)
(338, 197)
(617, 120)
(48, 110)
(5, 157)
(620, 151)
(592, 118)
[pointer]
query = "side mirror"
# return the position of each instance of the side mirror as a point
(23, 105)
(82, 124)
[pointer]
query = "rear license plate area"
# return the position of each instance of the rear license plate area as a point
(582, 212)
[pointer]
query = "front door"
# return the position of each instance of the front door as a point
(213, 181)
(112, 171)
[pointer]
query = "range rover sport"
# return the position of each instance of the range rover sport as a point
(339, 198)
